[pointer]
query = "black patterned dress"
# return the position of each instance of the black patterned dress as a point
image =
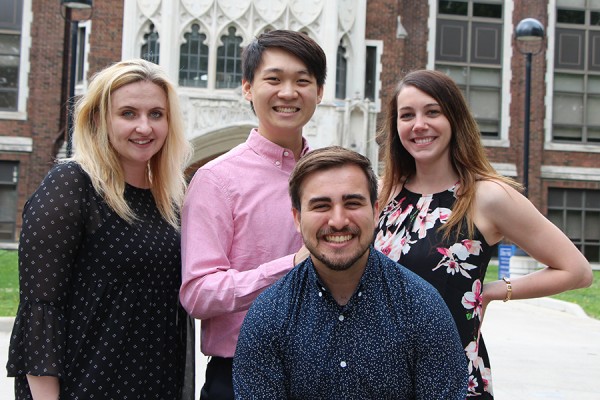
(408, 233)
(99, 303)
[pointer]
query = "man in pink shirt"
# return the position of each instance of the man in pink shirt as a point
(237, 230)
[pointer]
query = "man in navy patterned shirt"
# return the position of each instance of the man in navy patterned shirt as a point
(347, 322)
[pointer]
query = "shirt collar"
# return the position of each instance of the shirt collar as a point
(280, 157)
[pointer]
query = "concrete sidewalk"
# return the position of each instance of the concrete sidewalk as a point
(537, 351)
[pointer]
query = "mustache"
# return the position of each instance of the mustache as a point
(345, 230)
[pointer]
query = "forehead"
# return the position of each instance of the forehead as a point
(144, 92)
(410, 95)
(334, 183)
(279, 59)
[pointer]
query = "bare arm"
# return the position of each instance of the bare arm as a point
(43, 387)
(501, 211)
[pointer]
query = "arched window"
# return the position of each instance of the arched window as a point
(151, 46)
(341, 70)
(193, 59)
(229, 61)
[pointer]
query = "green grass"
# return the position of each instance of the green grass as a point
(9, 283)
(588, 298)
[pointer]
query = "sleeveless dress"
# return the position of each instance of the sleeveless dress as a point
(408, 233)
(99, 305)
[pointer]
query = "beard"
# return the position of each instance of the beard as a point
(338, 260)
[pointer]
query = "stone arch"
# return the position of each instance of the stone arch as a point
(214, 143)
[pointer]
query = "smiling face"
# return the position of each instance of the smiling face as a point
(138, 126)
(424, 130)
(284, 95)
(337, 218)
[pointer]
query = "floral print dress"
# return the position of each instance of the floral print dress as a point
(408, 233)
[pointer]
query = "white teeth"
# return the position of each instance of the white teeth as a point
(337, 238)
(141, 141)
(423, 140)
(286, 109)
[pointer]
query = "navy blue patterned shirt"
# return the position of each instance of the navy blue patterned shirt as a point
(394, 339)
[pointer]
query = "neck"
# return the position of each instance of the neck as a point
(291, 141)
(342, 284)
(432, 179)
(137, 178)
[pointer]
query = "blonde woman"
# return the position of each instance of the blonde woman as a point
(99, 254)
(444, 208)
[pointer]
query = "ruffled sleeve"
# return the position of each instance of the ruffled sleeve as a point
(53, 229)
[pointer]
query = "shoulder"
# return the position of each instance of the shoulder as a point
(65, 176)
(492, 194)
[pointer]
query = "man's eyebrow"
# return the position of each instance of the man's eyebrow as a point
(319, 199)
(354, 196)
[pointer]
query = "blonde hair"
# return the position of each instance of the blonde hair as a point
(467, 154)
(96, 155)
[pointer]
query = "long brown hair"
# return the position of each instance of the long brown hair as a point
(467, 154)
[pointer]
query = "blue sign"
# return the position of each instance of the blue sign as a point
(505, 252)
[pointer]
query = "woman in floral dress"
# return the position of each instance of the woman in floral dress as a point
(444, 208)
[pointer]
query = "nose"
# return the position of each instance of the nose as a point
(420, 123)
(143, 126)
(287, 91)
(338, 218)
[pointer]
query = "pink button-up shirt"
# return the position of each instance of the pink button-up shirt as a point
(238, 237)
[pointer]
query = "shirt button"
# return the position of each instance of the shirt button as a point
(343, 364)
(320, 294)
(285, 153)
(278, 163)
(359, 294)
(341, 317)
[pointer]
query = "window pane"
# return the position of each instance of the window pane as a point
(489, 129)
(451, 41)
(453, 7)
(485, 103)
(592, 199)
(574, 230)
(569, 49)
(570, 134)
(593, 134)
(568, 109)
(593, 85)
(151, 48)
(592, 226)
(11, 12)
(458, 74)
(574, 199)
(370, 71)
(593, 111)
(486, 43)
(555, 198)
(229, 62)
(568, 83)
(487, 10)
(193, 59)
(570, 16)
(595, 18)
(555, 216)
(341, 73)
(592, 253)
(485, 77)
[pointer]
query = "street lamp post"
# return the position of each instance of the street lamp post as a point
(529, 34)
(69, 6)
